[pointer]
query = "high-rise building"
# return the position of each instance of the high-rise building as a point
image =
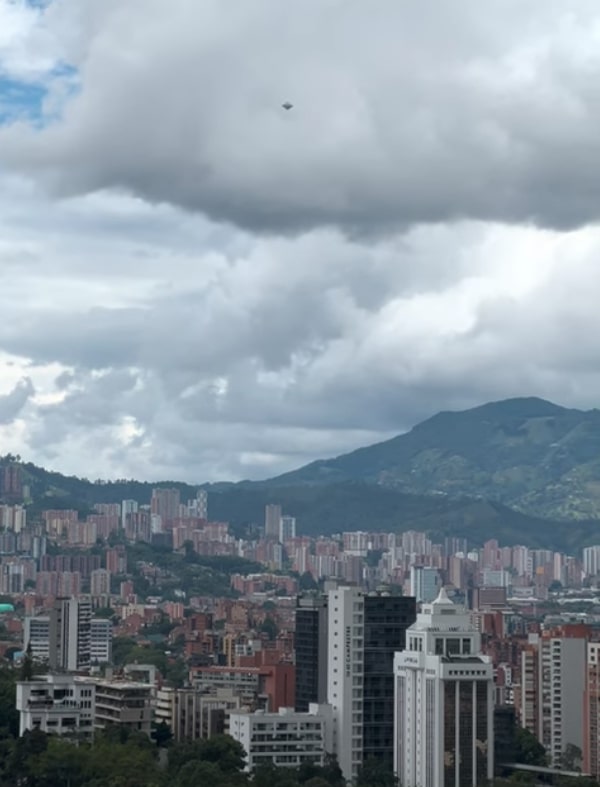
(11, 486)
(591, 561)
(165, 504)
(100, 582)
(199, 506)
(287, 528)
(553, 681)
(311, 651)
(70, 635)
(387, 619)
(444, 706)
(424, 583)
(36, 637)
(591, 709)
(101, 637)
(128, 507)
(364, 632)
(272, 520)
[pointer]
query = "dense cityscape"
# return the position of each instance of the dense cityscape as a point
(299, 393)
(432, 663)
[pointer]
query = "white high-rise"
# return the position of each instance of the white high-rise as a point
(424, 583)
(287, 528)
(591, 561)
(345, 669)
(70, 634)
(443, 725)
(127, 507)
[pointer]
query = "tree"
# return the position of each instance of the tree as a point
(570, 759)
(374, 773)
(224, 751)
(307, 582)
(60, 763)
(528, 750)
(269, 627)
(27, 664)
(9, 716)
(197, 772)
(162, 734)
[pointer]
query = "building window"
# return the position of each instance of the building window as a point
(439, 647)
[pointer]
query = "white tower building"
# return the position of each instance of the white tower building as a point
(345, 668)
(443, 725)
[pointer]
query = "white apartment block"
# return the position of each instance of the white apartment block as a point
(36, 636)
(444, 706)
(562, 674)
(101, 637)
(286, 739)
(87, 642)
(345, 669)
(69, 634)
(56, 704)
(591, 561)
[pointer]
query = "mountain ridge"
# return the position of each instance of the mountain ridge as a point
(524, 469)
(527, 453)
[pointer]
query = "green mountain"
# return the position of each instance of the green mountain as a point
(524, 471)
(528, 454)
(326, 508)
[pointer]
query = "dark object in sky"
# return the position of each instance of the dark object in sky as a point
(287, 105)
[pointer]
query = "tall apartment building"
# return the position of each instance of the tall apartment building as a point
(311, 651)
(165, 504)
(591, 561)
(100, 582)
(424, 583)
(287, 528)
(128, 507)
(101, 637)
(364, 632)
(444, 706)
(591, 710)
(553, 676)
(70, 635)
(272, 521)
(198, 507)
(37, 636)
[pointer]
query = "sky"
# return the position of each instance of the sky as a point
(197, 284)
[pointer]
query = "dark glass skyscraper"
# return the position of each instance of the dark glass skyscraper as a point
(386, 619)
(311, 651)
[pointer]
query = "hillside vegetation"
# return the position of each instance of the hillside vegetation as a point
(528, 454)
(523, 470)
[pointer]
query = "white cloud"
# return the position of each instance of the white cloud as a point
(169, 321)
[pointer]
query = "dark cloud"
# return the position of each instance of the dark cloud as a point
(12, 403)
(396, 120)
